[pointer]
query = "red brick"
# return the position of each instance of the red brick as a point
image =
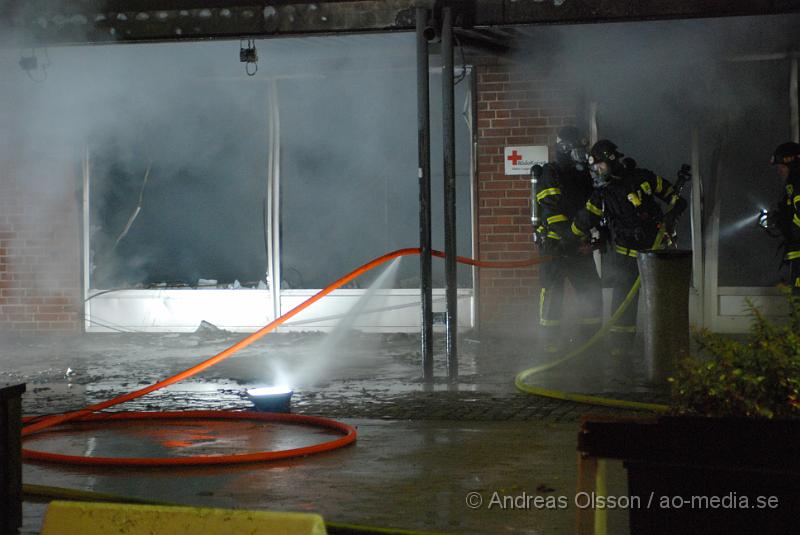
(517, 193)
(505, 123)
(51, 309)
(493, 247)
(500, 238)
(533, 121)
(526, 185)
(497, 184)
(496, 132)
(508, 211)
(490, 87)
(489, 170)
(515, 202)
(494, 77)
(492, 141)
(525, 112)
(495, 68)
(512, 95)
(516, 86)
(506, 283)
(518, 140)
(503, 105)
(497, 194)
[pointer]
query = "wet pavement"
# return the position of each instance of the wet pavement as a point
(421, 448)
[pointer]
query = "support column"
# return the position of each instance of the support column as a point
(424, 174)
(448, 143)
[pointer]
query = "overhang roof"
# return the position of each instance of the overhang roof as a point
(55, 22)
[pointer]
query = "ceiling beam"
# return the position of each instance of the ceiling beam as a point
(55, 22)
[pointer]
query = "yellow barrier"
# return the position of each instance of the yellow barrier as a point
(81, 518)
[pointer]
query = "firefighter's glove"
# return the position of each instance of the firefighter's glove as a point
(670, 221)
(773, 219)
(776, 222)
(585, 248)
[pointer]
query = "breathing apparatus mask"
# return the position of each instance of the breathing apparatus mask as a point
(603, 157)
(571, 148)
(600, 172)
(598, 180)
(580, 157)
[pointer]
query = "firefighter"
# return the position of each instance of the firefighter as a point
(785, 218)
(625, 201)
(564, 187)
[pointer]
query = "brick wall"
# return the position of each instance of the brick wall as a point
(39, 247)
(516, 106)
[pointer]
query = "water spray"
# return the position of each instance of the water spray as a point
(761, 219)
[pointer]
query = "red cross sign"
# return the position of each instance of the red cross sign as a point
(514, 157)
(519, 159)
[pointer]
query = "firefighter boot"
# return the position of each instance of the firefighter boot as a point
(550, 340)
(620, 341)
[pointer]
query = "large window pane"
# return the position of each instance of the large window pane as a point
(349, 186)
(198, 211)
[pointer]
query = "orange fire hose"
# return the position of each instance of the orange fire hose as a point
(349, 435)
(84, 414)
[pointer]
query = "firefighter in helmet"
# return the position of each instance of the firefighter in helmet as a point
(625, 200)
(564, 187)
(784, 219)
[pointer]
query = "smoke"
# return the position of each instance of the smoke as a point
(655, 82)
(189, 111)
(348, 140)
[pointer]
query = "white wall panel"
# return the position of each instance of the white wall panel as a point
(247, 310)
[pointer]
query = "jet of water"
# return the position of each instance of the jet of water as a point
(333, 352)
(749, 220)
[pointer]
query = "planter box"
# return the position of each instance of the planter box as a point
(703, 475)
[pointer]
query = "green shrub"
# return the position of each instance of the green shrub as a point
(758, 378)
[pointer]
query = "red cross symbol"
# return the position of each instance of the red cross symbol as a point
(514, 157)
